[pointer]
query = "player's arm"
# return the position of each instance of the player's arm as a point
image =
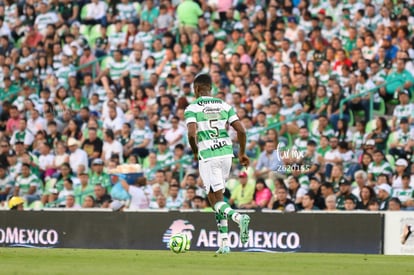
(241, 137)
(192, 138)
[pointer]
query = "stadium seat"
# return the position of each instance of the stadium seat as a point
(250, 172)
(84, 30)
(145, 162)
(110, 29)
(137, 7)
(391, 139)
(105, 62)
(214, 16)
(370, 126)
(290, 140)
(36, 205)
(94, 33)
(236, 15)
(389, 122)
(270, 184)
(381, 110)
(231, 184)
(84, 12)
(313, 125)
(351, 119)
(391, 161)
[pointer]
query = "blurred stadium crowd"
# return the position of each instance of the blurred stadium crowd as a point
(88, 85)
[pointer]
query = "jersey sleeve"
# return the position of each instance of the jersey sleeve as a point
(190, 115)
(232, 115)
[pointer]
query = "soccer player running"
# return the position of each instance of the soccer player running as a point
(206, 120)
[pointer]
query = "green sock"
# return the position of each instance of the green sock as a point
(223, 229)
(225, 209)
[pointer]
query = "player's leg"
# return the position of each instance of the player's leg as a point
(224, 208)
(223, 238)
(209, 175)
(242, 220)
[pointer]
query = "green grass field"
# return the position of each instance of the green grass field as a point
(114, 262)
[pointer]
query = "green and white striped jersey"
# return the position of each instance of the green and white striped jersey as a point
(404, 138)
(158, 56)
(404, 194)
(26, 183)
(139, 135)
(135, 68)
(117, 68)
(376, 170)
(116, 39)
(358, 140)
(211, 115)
(401, 111)
(63, 74)
(6, 182)
(145, 37)
(126, 11)
(301, 144)
(164, 158)
(44, 19)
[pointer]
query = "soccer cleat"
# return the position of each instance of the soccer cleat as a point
(406, 234)
(223, 250)
(244, 228)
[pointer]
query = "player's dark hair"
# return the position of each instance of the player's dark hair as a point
(203, 81)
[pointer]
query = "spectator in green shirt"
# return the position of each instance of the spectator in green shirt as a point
(397, 80)
(10, 90)
(150, 12)
(188, 13)
(242, 194)
(98, 176)
(76, 102)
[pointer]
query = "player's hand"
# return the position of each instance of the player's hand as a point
(244, 160)
(195, 156)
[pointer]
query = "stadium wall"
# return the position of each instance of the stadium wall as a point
(270, 232)
(393, 226)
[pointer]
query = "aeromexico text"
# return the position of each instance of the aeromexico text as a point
(288, 241)
(24, 236)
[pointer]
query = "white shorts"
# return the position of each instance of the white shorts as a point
(215, 172)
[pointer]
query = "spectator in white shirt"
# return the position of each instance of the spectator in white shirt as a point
(45, 18)
(46, 160)
(111, 147)
(113, 121)
(174, 201)
(4, 28)
(70, 202)
(36, 122)
(140, 198)
(77, 156)
(96, 13)
(174, 135)
(333, 156)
